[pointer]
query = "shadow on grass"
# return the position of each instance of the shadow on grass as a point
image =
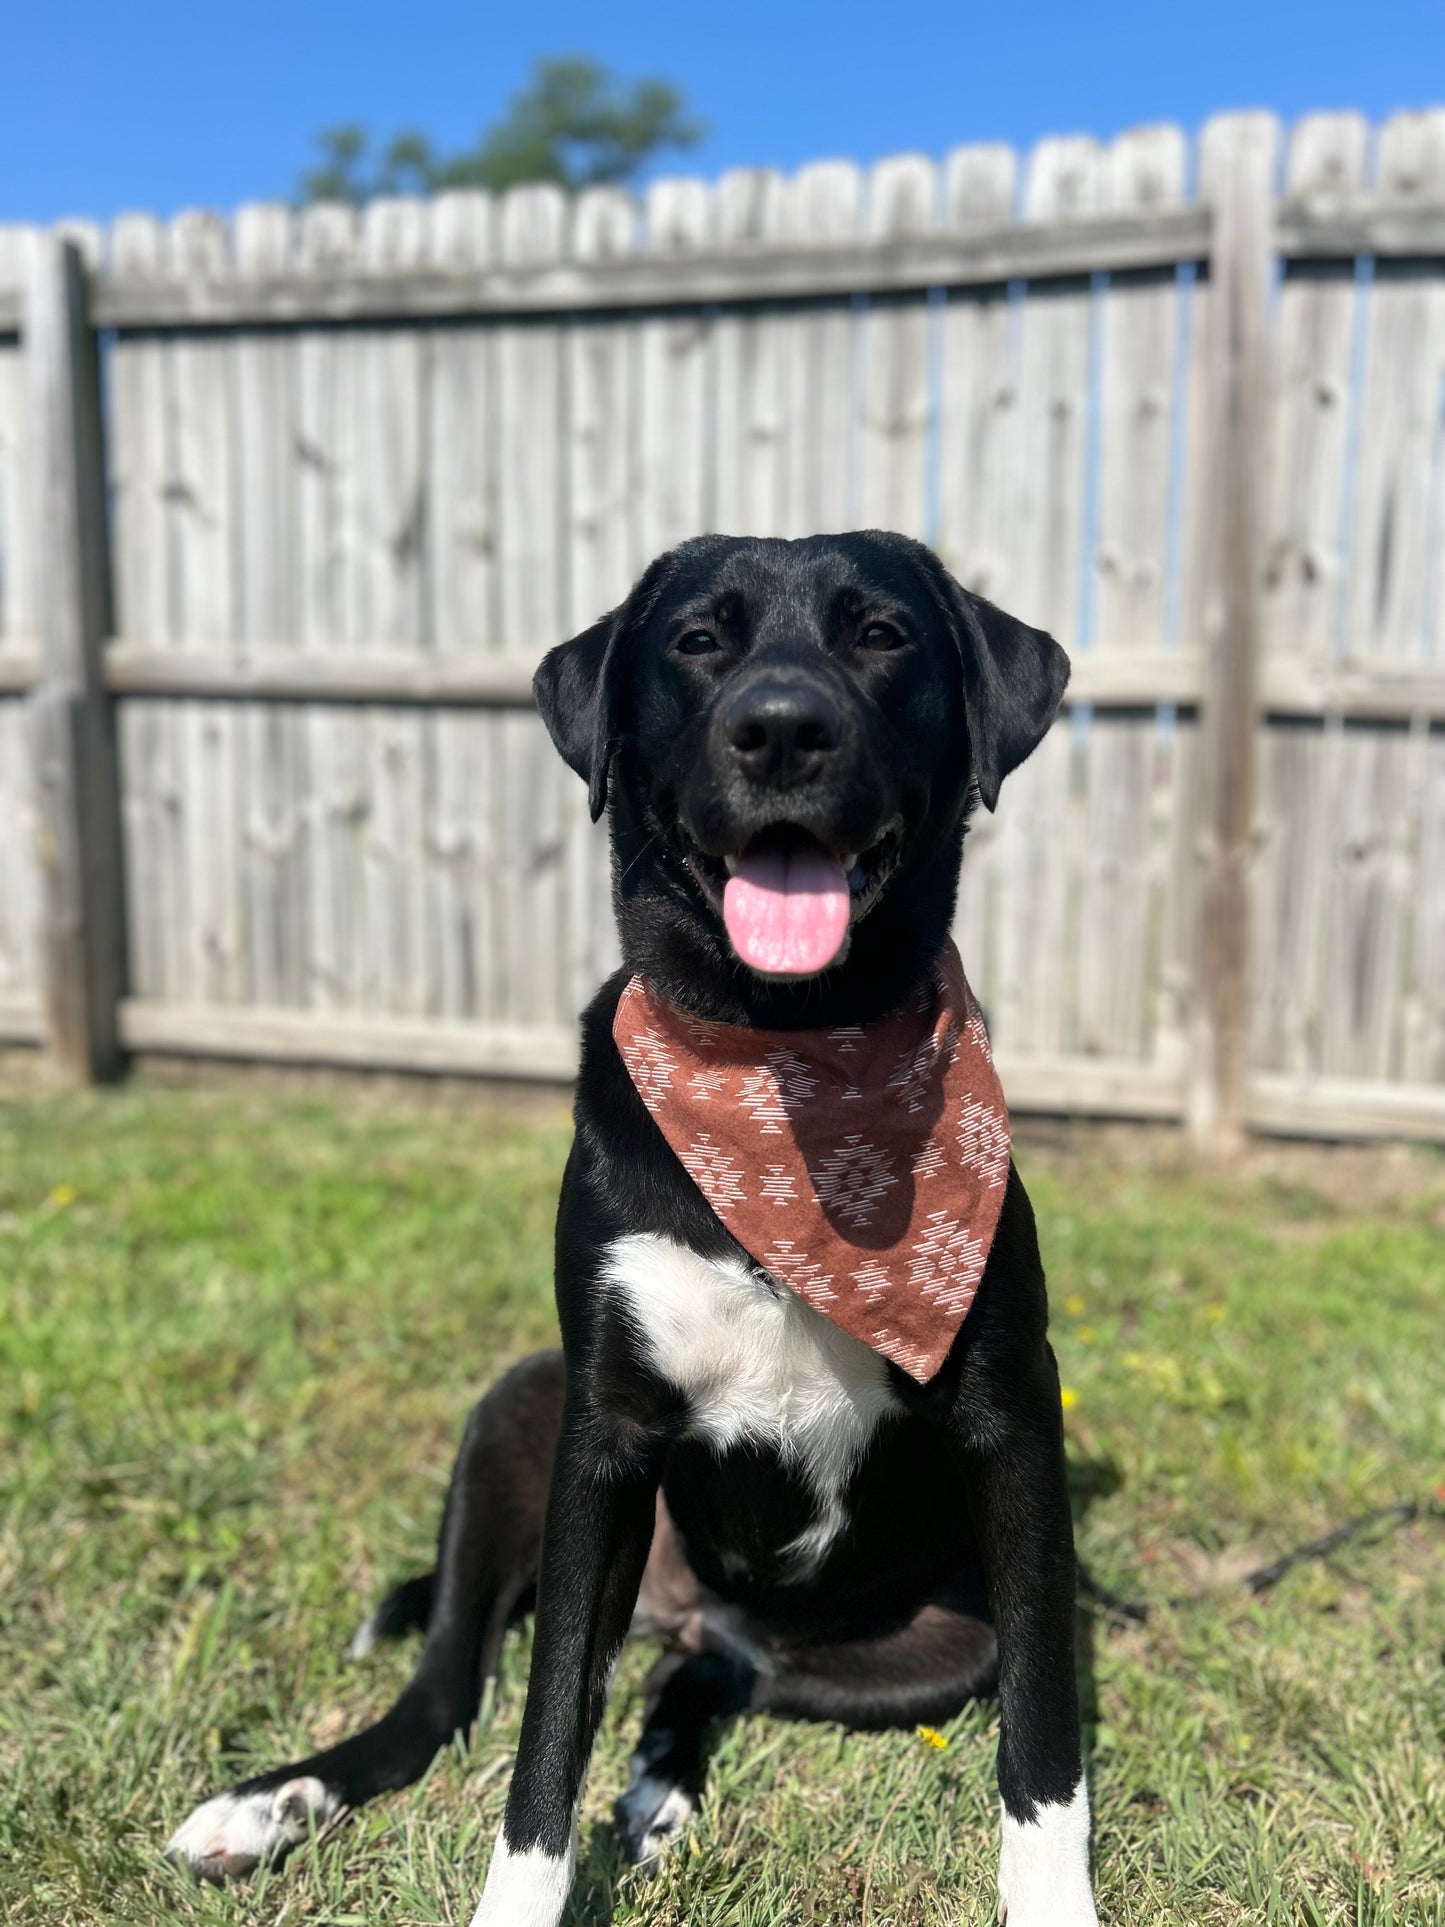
(1089, 1480)
(600, 1872)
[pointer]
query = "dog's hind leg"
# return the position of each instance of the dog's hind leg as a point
(405, 1609)
(924, 1670)
(687, 1695)
(486, 1575)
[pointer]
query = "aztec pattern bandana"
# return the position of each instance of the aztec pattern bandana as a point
(863, 1167)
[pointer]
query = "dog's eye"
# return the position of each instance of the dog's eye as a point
(696, 642)
(880, 635)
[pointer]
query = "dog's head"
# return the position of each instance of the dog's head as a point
(790, 735)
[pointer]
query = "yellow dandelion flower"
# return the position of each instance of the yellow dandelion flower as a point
(1068, 1398)
(1086, 1334)
(62, 1195)
(931, 1736)
(1074, 1305)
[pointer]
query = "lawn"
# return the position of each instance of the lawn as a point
(240, 1326)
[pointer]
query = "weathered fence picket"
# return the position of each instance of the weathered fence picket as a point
(1185, 410)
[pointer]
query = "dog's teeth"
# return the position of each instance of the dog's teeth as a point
(732, 863)
(849, 863)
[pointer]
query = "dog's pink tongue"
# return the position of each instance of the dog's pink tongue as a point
(787, 913)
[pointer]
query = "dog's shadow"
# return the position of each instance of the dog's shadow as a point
(601, 1868)
(1089, 1479)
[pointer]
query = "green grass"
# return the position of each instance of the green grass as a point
(239, 1329)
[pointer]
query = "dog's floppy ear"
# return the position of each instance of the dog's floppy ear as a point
(1013, 682)
(578, 685)
(576, 691)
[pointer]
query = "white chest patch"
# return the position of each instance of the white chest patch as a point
(758, 1366)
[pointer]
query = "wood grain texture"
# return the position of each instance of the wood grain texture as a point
(1041, 841)
(1236, 166)
(823, 205)
(197, 490)
(1388, 612)
(605, 482)
(977, 405)
(334, 553)
(1422, 1048)
(897, 399)
(17, 595)
(1310, 409)
(387, 605)
(285, 1036)
(755, 421)
(812, 261)
(978, 386)
(1046, 486)
(463, 596)
(20, 969)
(677, 373)
(75, 786)
(1131, 765)
(19, 658)
(272, 785)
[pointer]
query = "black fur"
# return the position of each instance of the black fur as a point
(904, 698)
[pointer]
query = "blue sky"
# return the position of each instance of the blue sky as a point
(106, 106)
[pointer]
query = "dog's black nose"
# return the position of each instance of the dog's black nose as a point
(781, 730)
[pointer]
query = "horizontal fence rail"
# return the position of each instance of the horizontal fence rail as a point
(345, 476)
(261, 672)
(752, 275)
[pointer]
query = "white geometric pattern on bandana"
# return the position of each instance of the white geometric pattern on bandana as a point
(652, 1066)
(983, 1141)
(916, 1076)
(912, 1358)
(851, 1181)
(779, 1185)
(928, 1160)
(714, 1173)
(947, 1263)
(873, 1281)
(795, 1269)
(976, 1032)
(705, 1083)
(781, 1084)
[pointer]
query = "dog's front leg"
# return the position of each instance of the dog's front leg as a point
(1013, 1430)
(595, 1543)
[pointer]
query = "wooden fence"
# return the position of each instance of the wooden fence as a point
(290, 505)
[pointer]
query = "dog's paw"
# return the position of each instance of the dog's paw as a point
(649, 1814)
(233, 1834)
(1043, 1869)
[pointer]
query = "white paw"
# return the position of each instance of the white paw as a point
(527, 1889)
(667, 1810)
(365, 1639)
(235, 1833)
(1043, 1869)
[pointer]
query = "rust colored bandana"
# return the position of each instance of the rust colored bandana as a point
(863, 1167)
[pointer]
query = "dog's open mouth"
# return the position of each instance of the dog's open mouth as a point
(789, 902)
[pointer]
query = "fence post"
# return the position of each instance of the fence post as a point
(82, 925)
(1237, 179)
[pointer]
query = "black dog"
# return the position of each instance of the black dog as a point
(813, 1531)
